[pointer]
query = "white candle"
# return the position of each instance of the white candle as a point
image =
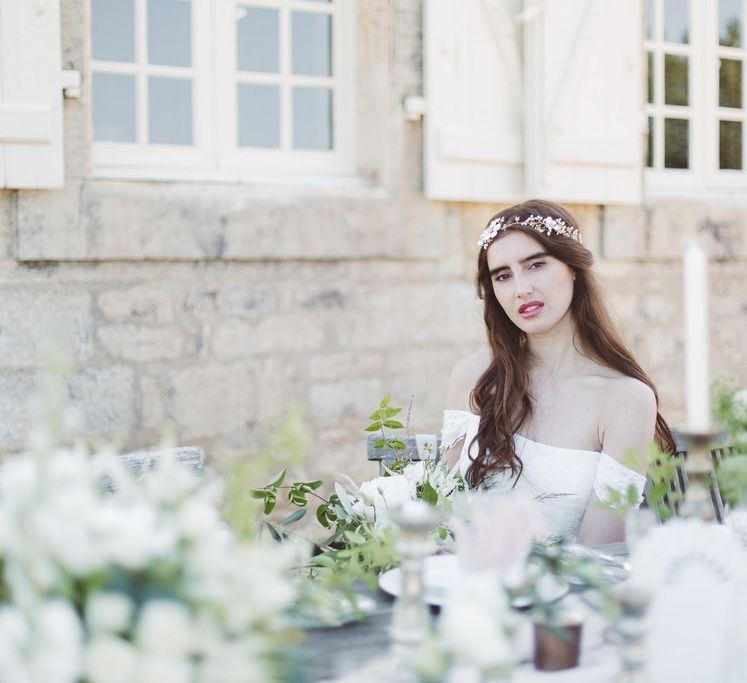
(695, 269)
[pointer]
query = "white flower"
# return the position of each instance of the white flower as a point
(110, 659)
(109, 612)
(164, 627)
(386, 493)
(473, 622)
(158, 669)
(57, 655)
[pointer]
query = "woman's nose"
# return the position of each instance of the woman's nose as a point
(523, 285)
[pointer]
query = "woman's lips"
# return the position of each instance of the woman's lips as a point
(531, 309)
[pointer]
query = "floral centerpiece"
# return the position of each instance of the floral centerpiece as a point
(110, 579)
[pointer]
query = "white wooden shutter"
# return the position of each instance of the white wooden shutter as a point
(590, 137)
(473, 89)
(31, 146)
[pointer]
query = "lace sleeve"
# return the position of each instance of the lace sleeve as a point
(611, 475)
(454, 428)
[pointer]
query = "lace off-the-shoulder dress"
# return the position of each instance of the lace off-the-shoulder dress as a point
(561, 479)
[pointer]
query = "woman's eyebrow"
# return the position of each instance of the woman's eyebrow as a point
(539, 254)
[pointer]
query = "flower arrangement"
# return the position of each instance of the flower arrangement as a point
(107, 578)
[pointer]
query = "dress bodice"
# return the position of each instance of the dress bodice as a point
(561, 479)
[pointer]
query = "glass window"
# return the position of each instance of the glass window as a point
(113, 30)
(258, 39)
(312, 118)
(676, 143)
(677, 21)
(730, 23)
(259, 115)
(170, 32)
(169, 111)
(114, 108)
(730, 83)
(676, 79)
(312, 44)
(730, 145)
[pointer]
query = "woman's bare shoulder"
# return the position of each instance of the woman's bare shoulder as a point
(463, 378)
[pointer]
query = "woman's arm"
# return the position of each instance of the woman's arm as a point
(462, 380)
(628, 420)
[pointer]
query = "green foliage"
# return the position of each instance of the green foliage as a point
(732, 479)
(286, 446)
(381, 419)
(730, 411)
(661, 495)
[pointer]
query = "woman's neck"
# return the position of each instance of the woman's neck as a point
(554, 353)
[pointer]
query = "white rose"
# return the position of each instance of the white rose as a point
(415, 472)
(165, 627)
(58, 649)
(110, 659)
(385, 493)
(14, 639)
(159, 669)
(110, 612)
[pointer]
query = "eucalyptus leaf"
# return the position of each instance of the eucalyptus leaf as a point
(278, 480)
(273, 531)
(429, 494)
(259, 494)
(394, 424)
(269, 503)
(373, 427)
(294, 516)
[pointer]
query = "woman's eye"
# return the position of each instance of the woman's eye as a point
(501, 277)
(537, 264)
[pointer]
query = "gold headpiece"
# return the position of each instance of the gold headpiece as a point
(544, 224)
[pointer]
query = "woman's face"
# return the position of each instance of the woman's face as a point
(533, 288)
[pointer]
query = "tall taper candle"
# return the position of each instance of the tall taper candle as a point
(695, 271)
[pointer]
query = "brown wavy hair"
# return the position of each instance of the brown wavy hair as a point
(501, 396)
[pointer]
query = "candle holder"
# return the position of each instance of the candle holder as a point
(411, 619)
(697, 503)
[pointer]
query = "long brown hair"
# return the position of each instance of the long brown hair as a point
(501, 396)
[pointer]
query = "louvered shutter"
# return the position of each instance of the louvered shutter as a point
(31, 145)
(473, 90)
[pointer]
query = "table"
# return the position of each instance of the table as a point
(359, 652)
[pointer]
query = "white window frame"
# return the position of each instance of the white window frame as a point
(215, 154)
(703, 178)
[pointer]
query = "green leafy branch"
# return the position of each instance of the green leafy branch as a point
(381, 419)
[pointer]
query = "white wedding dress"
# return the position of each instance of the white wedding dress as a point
(561, 479)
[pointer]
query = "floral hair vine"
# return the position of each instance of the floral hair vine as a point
(544, 224)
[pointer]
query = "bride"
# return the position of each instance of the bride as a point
(554, 405)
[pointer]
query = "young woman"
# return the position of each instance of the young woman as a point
(553, 406)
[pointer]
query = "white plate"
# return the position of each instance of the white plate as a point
(439, 573)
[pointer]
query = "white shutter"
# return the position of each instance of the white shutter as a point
(590, 137)
(31, 146)
(473, 87)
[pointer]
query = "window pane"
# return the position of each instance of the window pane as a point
(730, 23)
(170, 111)
(675, 80)
(730, 145)
(650, 19)
(676, 143)
(312, 118)
(259, 115)
(312, 44)
(677, 21)
(114, 108)
(113, 30)
(650, 145)
(170, 32)
(730, 83)
(650, 56)
(257, 33)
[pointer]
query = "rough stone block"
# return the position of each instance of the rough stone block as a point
(247, 300)
(212, 399)
(140, 343)
(105, 398)
(29, 315)
(271, 334)
(49, 224)
(345, 364)
(16, 391)
(140, 304)
(345, 401)
(152, 409)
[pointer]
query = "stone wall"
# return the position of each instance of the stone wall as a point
(212, 308)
